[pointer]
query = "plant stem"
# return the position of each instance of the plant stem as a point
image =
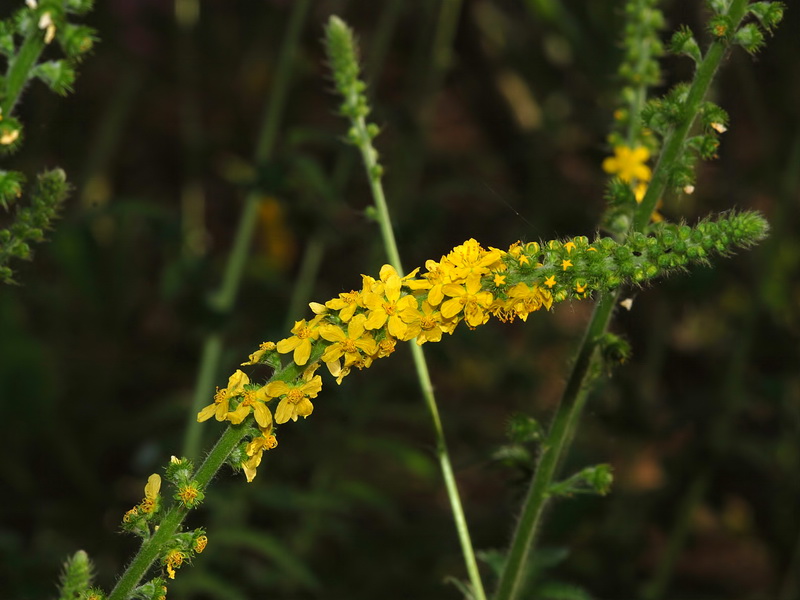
(574, 396)
(222, 301)
(153, 548)
(370, 157)
(674, 144)
(19, 68)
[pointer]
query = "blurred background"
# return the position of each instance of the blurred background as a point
(494, 118)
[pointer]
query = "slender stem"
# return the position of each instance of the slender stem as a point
(674, 144)
(19, 68)
(222, 301)
(370, 157)
(154, 547)
(574, 396)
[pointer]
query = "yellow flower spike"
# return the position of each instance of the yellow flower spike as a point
(566, 264)
(300, 342)
(550, 281)
(295, 398)
(629, 164)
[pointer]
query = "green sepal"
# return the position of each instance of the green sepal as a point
(76, 576)
(11, 183)
(155, 589)
(76, 40)
(749, 37)
(179, 471)
(683, 42)
(591, 480)
(769, 14)
(523, 429)
(7, 46)
(57, 74)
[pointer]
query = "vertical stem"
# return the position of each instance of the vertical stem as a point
(222, 301)
(19, 68)
(568, 412)
(370, 157)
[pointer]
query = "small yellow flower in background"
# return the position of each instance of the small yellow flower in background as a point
(566, 264)
(499, 279)
(9, 137)
(295, 398)
(629, 164)
(550, 281)
(300, 342)
(569, 247)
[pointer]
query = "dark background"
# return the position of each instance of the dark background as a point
(100, 342)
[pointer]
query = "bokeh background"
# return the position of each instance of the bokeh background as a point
(498, 135)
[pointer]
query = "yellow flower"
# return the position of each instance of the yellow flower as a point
(295, 398)
(550, 281)
(525, 300)
(433, 281)
(173, 560)
(629, 164)
(469, 298)
(253, 401)
(386, 304)
(255, 357)
(427, 326)
(300, 342)
(499, 279)
(569, 247)
(346, 304)
(219, 408)
(150, 502)
(266, 441)
(349, 344)
(566, 264)
(470, 260)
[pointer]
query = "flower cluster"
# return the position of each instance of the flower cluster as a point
(470, 284)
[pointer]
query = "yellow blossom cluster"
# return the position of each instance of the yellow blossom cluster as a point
(469, 284)
(629, 164)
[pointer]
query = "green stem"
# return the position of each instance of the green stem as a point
(223, 300)
(674, 144)
(154, 547)
(574, 396)
(560, 433)
(370, 157)
(19, 68)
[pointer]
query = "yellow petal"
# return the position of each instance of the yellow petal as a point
(277, 388)
(263, 415)
(284, 412)
(302, 352)
(236, 383)
(451, 308)
(153, 486)
(206, 413)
